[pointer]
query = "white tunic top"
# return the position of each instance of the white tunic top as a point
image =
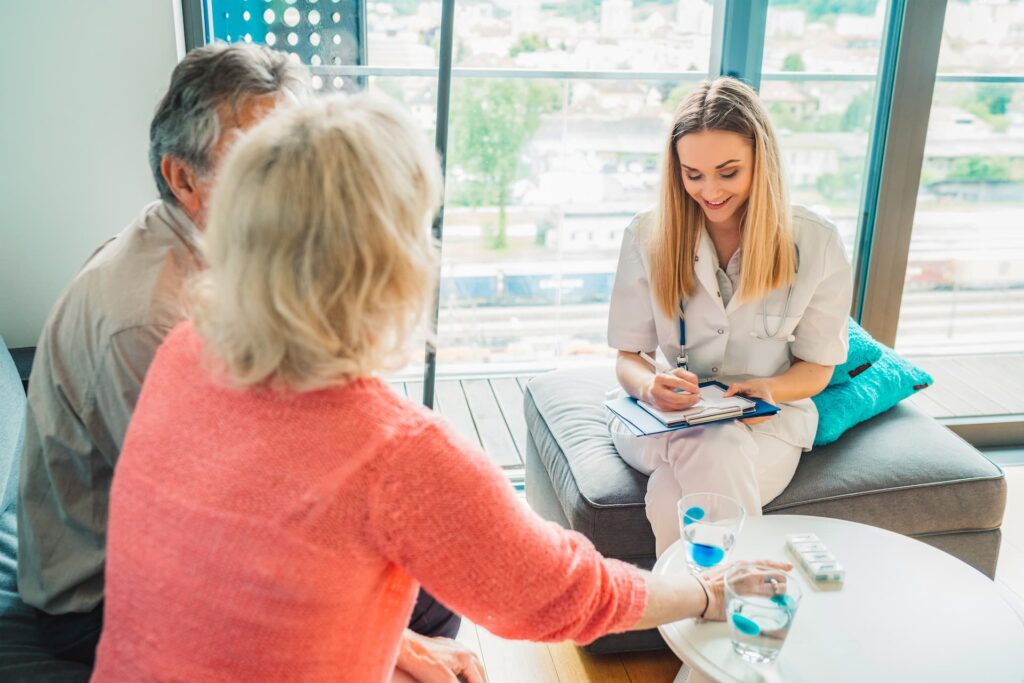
(742, 340)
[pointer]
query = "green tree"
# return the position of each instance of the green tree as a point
(794, 61)
(995, 97)
(584, 10)
(491, 122)
(674, 96)
(818, 9)
(405, 7)
(858, 112)
(979, 169)
(783, 118)
(989, 102)
(844, 184)
(528, 43)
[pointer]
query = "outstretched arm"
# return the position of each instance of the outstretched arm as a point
(451, 520)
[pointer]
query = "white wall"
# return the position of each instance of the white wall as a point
(78, 85)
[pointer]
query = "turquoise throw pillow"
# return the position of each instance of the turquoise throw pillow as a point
(863, 352)
(888, 381)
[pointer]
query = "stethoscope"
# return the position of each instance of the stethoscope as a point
(681, 360)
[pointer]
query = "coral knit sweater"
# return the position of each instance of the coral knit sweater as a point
(261, 536)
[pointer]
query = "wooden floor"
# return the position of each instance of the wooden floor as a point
(972, 386)
(488, 410)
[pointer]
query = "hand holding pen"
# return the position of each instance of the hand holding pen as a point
(670, 389)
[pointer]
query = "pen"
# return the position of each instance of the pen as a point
(658, 367)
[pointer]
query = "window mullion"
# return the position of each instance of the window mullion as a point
(906, 84)
(737, 40)
(444, 88)
(193, 24)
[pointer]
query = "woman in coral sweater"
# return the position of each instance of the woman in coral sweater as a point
(276, 507)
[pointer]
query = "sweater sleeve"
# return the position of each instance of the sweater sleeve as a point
(448, 517)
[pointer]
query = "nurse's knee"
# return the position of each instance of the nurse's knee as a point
(662, 495)
(715, 442)
(643, 454)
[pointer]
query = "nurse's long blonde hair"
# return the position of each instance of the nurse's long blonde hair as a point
(769, 254)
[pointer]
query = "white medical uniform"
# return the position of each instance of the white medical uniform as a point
(730, 342)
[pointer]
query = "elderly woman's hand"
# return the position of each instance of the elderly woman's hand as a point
(756, 576)
(438, 660)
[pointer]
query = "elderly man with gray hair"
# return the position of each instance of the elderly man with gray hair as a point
(101, 335)
(103, 332)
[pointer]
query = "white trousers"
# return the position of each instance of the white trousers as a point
(727, 457)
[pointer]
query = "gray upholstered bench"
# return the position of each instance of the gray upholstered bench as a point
(901, 471)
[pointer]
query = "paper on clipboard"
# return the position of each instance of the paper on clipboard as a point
(713, 405)
(642, 423)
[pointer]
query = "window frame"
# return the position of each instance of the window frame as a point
(906, 79)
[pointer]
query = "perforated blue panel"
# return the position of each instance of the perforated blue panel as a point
(317, 32)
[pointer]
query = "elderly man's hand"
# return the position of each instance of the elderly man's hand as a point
(438, 660)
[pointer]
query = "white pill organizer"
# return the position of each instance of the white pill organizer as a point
(815, 558)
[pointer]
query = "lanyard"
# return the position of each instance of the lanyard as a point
(681, 358)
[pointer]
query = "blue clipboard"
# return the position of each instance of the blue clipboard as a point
(642, 423)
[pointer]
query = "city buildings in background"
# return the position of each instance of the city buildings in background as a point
(545, 173)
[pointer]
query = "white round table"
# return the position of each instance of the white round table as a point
(906, 612)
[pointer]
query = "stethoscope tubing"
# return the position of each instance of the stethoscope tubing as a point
(681, 360)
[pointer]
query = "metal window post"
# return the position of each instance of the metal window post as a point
(362, 56)
(737, 40)
(193, 23)
(906, 83)
(444, 90)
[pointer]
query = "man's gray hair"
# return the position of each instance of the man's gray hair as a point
(186, 124)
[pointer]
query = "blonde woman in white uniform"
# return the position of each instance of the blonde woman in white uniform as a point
(727, 281)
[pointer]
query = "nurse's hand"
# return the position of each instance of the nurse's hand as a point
(756, 388)
(677, 390)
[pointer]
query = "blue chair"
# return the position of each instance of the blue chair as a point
(22, 654)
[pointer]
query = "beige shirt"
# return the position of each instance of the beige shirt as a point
(729, 279)
(92, 355)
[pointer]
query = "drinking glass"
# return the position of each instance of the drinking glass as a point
(708, 525)
(760, 604)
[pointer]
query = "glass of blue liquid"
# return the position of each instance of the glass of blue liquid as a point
(708, 525)
(760, 605)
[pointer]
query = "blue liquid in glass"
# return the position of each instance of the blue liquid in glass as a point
(784, 601)
(706, 555)
(693, 514)
(760, 625)
(706, 545)
(747, 627)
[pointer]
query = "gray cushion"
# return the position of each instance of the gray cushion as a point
(900, 471)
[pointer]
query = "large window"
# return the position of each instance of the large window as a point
(964, 290)
(558, 117)
(818, 81)
(559, 113)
